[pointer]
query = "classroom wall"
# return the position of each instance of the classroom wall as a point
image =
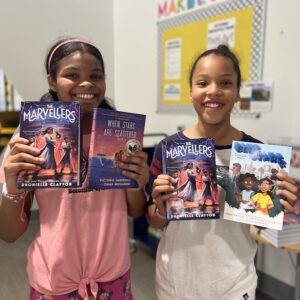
(136, 68)
(27, 28)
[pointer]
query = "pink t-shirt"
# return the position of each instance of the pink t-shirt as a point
(83, 238)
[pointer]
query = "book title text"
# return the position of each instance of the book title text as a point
(119, 128)
(257, 154)
(189, 148)
(49, 112)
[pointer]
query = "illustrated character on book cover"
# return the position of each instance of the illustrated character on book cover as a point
(245, 189)
(66, 163)
(48, 151)
(251, 189)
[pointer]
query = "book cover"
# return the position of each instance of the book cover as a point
(192, 163)
(54, 128)
(293, 142)
(115, 135)
(251, 193)
(292, 219)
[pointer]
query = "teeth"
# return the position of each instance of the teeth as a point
(85, 96)
(212, 105)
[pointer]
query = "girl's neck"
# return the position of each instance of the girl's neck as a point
(223, 135)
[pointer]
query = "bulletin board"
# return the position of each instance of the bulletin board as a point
(239, 24)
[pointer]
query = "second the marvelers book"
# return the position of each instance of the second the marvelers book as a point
(115, 136)
(192, 164)
(54, 128)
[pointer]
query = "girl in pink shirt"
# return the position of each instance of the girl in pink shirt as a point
(81, 250)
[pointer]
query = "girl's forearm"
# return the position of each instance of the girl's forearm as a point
(14, 218)
(155, 217)
(136, 202)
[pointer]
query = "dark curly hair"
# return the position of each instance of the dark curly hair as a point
(221, 50)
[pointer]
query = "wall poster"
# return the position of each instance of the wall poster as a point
(182, 37)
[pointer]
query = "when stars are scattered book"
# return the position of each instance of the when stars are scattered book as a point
(115, 135)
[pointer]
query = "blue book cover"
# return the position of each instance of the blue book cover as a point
(115, 135)
(55, 129)
(192, 163)
(251, 193)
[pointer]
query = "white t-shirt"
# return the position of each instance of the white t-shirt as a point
(206, 259)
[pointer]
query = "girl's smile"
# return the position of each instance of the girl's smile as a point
(212, 106)
(80, 78)
(214, 89)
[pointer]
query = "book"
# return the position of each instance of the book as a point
(192, 163)
(278, 240)
(293, 142)
(115, 135)
(251, 193)
(55, 129)
(290, 233)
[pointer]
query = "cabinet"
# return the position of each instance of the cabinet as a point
(145, 234)
(255, 234)
(9, 121)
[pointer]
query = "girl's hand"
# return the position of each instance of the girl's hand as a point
(289, 189)
(135, 167)
(163, 190)
(21, 157)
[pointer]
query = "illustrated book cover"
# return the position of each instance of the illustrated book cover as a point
(115, 135)
(292, 219)
(192, 163)
(251, 193)
(293, 142)
(54, 128)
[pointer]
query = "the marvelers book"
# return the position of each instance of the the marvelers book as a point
(115, 135)
(54, 128)
(192, 163)
(251, 193)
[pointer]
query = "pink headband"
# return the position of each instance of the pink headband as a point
(66, 42)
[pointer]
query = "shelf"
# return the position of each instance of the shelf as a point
(9, 121)
(7, 130)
